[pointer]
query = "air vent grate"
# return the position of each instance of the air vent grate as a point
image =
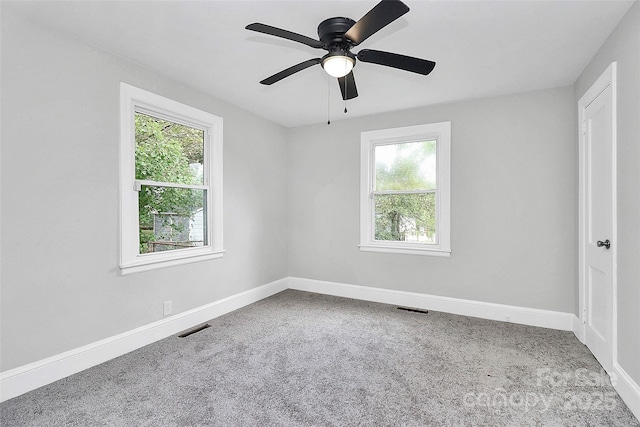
(194, 330)
(413, 310)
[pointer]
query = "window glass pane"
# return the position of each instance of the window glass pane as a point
(168, 151)
(405, 166)
(171, 218)
(405, 217)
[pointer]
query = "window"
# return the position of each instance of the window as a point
(404, 202)
(170, 182)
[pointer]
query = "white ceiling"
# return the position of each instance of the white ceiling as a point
(482, 48)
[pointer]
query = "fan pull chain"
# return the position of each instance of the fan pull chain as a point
(345, 98)
(328, 100)
(345, 94)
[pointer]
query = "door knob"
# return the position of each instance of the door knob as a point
(606, 243)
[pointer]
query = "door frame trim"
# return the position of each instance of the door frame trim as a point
(606, 79)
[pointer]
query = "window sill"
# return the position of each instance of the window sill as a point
(150, 263)
(407, 250)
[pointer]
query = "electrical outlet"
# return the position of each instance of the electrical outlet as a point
(168, 307)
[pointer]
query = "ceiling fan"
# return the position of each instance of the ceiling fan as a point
(338, 36)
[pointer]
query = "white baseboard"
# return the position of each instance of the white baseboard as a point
(628, 389)
(484, 310)
(578, 329)
(29, 377)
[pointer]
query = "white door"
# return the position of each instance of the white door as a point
(598, 221)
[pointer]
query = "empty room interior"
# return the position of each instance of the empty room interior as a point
(320, 213)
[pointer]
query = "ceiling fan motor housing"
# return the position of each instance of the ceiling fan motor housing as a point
(331, 33)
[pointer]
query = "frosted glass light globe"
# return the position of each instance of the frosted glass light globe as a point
(338, 66)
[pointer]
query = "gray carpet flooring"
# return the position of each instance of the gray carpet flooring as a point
(302, 359)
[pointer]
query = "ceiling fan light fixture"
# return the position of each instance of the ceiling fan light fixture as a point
(338, 65)
(338, 35)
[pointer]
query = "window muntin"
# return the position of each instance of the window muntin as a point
(170, 183)
(405, 189)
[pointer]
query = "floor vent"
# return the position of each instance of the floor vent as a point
(413, 310)
(194, 330)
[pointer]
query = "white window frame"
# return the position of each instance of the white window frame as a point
(441, 132)
(132, 100)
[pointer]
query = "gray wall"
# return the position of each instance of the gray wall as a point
(513, 203)
(623, 46)
(61, 288)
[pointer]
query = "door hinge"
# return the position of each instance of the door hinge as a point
(584, 126)
(584, 316)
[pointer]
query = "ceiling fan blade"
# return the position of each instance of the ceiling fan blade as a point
(291, 70)
(279, 32)
(348, 86)
(395, 60)
(377, 18)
